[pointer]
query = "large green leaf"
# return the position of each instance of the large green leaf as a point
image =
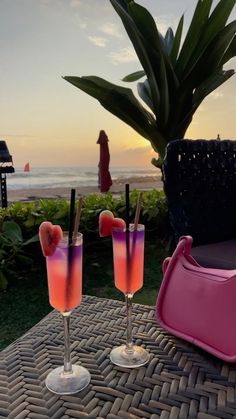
(169, 39)
(145, 93)
(154, 42)
(134, 76)
(211, 58)
(180, 106)
(12, 232)
(193, 35)
(189, 107)
(118, 100)
(177, 40)
(121, 8)
(213, 26)
(178, 78)
(210, 85)
(181, 123)
(153, 45)
(216, 21)
(230, 52)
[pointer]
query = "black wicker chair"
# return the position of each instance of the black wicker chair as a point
(199, 179)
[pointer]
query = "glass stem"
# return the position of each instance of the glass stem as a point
(67, 358)
(129, 338)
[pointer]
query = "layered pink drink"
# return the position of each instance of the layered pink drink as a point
(128, 271)
(64, 272)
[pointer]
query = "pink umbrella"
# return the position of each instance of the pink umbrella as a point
(104, 177)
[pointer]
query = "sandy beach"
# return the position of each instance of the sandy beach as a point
(118, 187)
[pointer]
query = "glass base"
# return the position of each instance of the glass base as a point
(69, 383)
(129, 358)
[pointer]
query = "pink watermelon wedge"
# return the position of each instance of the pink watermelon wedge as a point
(49, 236)
(107, 222)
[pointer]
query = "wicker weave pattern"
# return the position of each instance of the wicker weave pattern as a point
(180, 381)
(200, 185)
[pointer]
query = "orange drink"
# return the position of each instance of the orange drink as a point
(128, 271)
(128, 257)
(64, 274)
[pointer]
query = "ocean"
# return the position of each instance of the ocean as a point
(53, 177)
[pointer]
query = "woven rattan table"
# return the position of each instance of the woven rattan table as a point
(180, 381)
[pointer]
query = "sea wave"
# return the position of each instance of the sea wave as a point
(39, 177)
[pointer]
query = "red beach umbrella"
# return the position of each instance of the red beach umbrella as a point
(104, 177)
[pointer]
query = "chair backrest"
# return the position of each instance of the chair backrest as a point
(199, 180)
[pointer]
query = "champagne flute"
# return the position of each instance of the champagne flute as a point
(64, 273)
(128, 259)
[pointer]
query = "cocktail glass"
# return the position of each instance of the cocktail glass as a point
(64, 272)
(128, 258)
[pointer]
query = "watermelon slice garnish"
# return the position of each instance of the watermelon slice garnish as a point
(49, 237)
(107, 222)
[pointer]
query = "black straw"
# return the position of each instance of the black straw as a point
(127, 233)
(70, 241)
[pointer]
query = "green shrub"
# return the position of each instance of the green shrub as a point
(12, 251)
(19, 225)
(29, 215)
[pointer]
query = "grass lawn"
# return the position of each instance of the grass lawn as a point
(25, 301)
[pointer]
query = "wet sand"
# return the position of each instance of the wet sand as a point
(140, 183)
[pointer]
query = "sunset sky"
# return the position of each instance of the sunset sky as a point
(49, 122)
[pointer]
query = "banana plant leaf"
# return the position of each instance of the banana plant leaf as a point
(180, 124)
(169, 39)
(121, 8)
(209, 86)
(118, 100)
(216, 21)
(177, 40)
(134, 76)
(145, 93)
(212, 55)
(179, 75)
(154, 42)
(150, 38)
(193, 35)
(230, 52)
(215, 24)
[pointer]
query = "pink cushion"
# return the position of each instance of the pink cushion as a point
(220, 255)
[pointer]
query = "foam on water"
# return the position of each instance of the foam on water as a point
(40, 178)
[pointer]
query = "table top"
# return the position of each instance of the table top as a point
(180, 380)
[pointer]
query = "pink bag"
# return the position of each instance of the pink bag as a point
(198, 304)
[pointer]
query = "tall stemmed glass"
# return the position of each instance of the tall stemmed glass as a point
(64, 273)
(128, 259)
